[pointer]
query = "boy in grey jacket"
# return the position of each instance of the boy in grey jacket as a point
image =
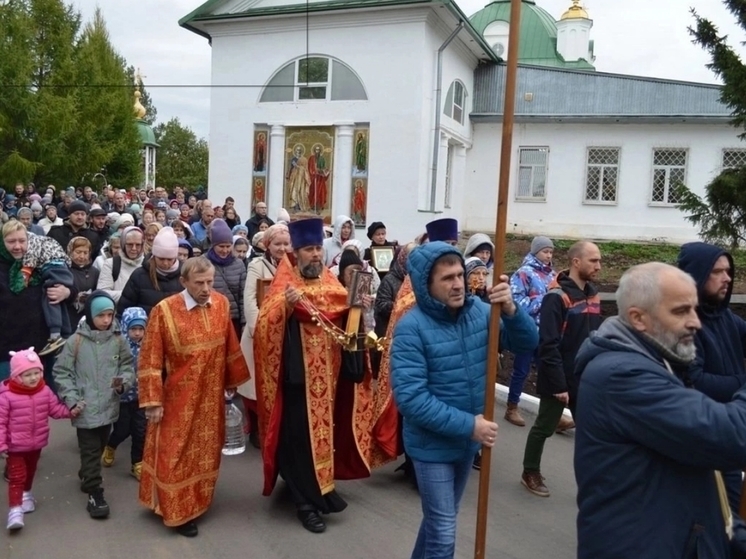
(94, 367)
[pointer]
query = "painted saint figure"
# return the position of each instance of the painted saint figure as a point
(299, 180)
(260, 153)
(319, 173)
(359, 197)
(361, 153)
(258, 192)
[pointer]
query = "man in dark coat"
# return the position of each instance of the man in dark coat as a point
(570, 311)
(719, 369)
(260, 214)
(647, 447)
(75, 226)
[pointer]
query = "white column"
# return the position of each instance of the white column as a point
(342, 186)
(276, 170)
(440, 185)
(155, 169)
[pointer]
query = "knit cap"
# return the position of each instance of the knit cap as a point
(348, 258)
(124, 220)
(23, 361)
(283, 215)
(471, 264)
(220, 232)
(540, 243)
(36, 207)
(373, 227)
(171, 215)
(166, 244)
(101, 305)
(77, 206)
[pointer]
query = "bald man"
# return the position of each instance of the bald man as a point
(647, 447)
(570, 311)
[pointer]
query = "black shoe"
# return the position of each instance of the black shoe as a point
(477, 464)
(97, 505)
(188, 530)
(311, 521)
(254, 439)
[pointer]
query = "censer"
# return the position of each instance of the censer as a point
(351, 339)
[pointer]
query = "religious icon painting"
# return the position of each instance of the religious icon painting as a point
(258, 190)
(309, 164)
(382, 257)
(359, 186)
(260, 163)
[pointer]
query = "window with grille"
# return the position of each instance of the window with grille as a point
(602, 175)
(314, 78)
(669, 171)
(532, 173)
(734, 158)
(455, 103)
(449, 176)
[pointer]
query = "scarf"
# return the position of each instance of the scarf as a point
(16, 279)
(17, 388)
(215, 259)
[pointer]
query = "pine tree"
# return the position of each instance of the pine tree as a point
(721, 213)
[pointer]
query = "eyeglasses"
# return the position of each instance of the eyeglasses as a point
(133, 245)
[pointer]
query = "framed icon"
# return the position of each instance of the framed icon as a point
(359, 287)
(382, 258)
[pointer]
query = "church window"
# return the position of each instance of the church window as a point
(456, 102)
(733, 158)
(532, 173)
(669, 171)
(315, 78)
(602, 175)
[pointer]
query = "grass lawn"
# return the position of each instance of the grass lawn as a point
(617, 258)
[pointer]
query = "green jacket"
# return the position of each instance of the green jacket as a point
(84, 370)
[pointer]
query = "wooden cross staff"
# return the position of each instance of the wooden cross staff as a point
(500, 223)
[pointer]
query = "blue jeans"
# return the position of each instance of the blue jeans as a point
(441, 488)
(521, 368)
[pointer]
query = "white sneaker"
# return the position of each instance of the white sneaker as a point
(15, 518)
(29, 503)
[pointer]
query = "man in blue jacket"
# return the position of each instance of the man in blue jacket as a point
(438, 368)
(647, 448)
(719, 369)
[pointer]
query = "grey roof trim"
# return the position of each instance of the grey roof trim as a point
(603, 119)
(579, 93)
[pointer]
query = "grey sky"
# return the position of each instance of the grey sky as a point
(641, 37)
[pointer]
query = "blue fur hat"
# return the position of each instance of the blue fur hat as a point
(445, 230)
(306, 232)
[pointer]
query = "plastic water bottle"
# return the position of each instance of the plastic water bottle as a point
(235, 439)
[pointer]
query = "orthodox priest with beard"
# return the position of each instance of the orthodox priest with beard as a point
(314, 398)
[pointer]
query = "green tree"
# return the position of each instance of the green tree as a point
(720, 214)
(66, 107)
(182, 157)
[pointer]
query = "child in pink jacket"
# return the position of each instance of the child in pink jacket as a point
(26, 403)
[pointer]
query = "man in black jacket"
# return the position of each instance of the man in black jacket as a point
(75, 226)
(260, 214)
(570, 311)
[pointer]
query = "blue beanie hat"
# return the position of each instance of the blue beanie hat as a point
(100, 305)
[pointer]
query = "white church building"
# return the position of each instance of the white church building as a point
(392, 111)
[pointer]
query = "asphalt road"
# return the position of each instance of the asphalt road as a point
(381, 521)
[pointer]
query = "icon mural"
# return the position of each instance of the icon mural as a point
(308, 171)
(359, 185)
(259, 166)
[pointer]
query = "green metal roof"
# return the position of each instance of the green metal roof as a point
(147, 136)
(538, 43)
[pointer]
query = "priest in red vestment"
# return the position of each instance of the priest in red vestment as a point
(314, 399)
(190, 357)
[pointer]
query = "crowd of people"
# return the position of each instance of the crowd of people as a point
(137, 314)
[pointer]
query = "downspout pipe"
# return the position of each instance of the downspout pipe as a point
(438, 96)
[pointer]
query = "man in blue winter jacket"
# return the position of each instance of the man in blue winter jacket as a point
(648, 449)
(719, 369)
(438, 368)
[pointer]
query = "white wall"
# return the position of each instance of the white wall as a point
(392, 53)
(564, 214)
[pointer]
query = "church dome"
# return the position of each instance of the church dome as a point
(575, 11)
(538, 43)
(147, 136)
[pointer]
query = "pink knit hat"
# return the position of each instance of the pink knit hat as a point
(22, 361)
(166, 244)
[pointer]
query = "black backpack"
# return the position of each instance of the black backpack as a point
(116, 267)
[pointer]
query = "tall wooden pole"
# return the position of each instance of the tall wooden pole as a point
(500, 224)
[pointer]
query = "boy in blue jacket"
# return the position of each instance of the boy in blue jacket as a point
(438, 368)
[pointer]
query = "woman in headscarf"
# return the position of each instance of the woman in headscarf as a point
(241, 249)
(157, 278)
(241, 231)
(230, 272)
(357, 246)
(261, 269)
(117, 270)
(149, 235)
(110, 249)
